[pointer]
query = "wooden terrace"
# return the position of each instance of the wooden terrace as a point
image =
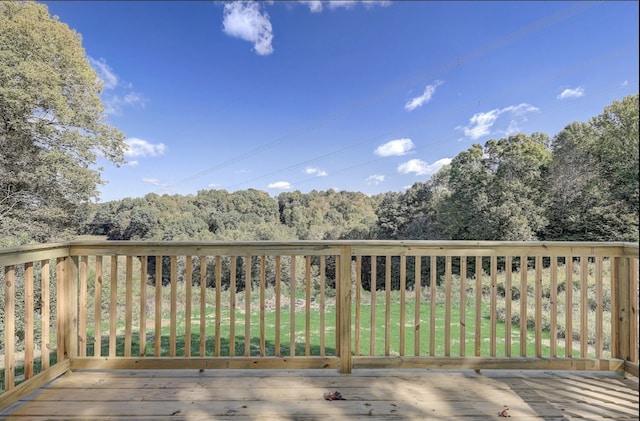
(110, 330)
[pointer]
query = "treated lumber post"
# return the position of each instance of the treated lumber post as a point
(344, 313)
(622, 283)
(70, 310)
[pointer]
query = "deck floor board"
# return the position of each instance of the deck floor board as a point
(298, 395)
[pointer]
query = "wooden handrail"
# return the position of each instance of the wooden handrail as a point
(271, 291)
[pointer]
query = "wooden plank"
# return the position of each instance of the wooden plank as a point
(71, 305)
(538, 307)
(387, 306)
(478, 307)
(82, 307)
(432, 305)
(203, 363)
(524, 292)
(46, 312)
(97, 305)
(232, 308)
(634, 297)
(374, 289)
(203, 306)
(323, 281)
(508, 297)
(9, 326)
(553, 334)
(113, 306)
(292, 307)
(344, 303)
(142, 326)
(584, 286)
(403, 300)
(418, 295)
(157, 346)
(278, 293)
(28, 320)
(188, 302)
(263, 305)
(218, 305)
(568, 332)
(493, 313)
(173, 316)
(356, 350)
(36, 382)
(307, 305)
(60, 309)
(247, 306)
(128, 306)
(32, 253)
(447, 306)
(599, 309)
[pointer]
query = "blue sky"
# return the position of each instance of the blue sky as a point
(357, 96)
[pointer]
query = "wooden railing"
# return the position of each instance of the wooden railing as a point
(301, 304)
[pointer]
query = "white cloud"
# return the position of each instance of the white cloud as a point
(395, 147)
(481, 123)
(245, 20)
(420, 167)
(316, 171)
(105, 73)
(625, 83)
(281, 185)
(142, 148)
(571, 93)
(132, 163)
(424, 98)
(152, 181)
(375, 179)
(314, 6)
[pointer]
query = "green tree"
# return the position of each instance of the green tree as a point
(52, 125)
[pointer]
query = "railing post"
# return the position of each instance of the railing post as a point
(344, 312)
(622, 314)
(70, 310)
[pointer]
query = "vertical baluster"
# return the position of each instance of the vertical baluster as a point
(307, 306)
(538, 306)
(418, 295)
(28, 320)
(478, 304)
(432, 315)
(232, 309)
(157, 346)
(554, 307)
(142, 329)
(493, 314)
(278, 293)
(463, 305)
(46, 312)
(128, 306)
(568, 335)
(507, 304)
(447, 306)
(9, 326)
(187, 308)
(387, 314)
(173, 279)
(263, 281)
(113, 306)
(358, 299)
(82, 308)
(403, 293)
(523, 304)
(374, 288)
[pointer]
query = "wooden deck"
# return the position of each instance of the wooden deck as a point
(298, 395)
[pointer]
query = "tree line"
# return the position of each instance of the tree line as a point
(579, 185)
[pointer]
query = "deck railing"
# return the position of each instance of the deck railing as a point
(315, 304)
